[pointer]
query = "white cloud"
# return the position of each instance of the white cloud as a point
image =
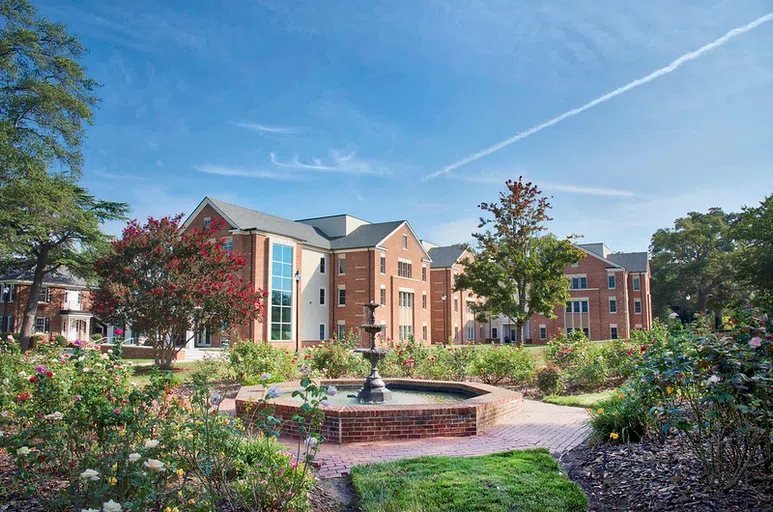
(673, 66)
(245, 173)
(338, 162)
(258, 127)
(498, 179)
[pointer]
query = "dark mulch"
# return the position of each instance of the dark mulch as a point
(665, 477)
(334, 495)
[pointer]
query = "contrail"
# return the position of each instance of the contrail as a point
(602, 99)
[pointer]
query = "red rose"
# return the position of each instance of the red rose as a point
(49, 374)
(23, 396)
(33, 379)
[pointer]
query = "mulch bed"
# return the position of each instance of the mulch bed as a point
(651, 476)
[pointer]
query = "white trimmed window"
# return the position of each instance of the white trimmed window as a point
(405, 242)
(404, 269)
(228, 244)
(456, 305)
(383, 295)
(342, 264)
(612, 305)
(424, 300)
(341, 329)
(611, 281)
(342, 296)
(636, 284)
(383, 264)
(207, 222)
(543, 332)
(322, 264)
(579, 282)
(613, 331)
(637, 306)
(44, 297)
(424, 273)
(424, 332)
(322, 296)
(322, 332)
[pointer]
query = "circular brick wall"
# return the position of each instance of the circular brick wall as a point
(358, 423)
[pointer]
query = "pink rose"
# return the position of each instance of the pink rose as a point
(755, 342)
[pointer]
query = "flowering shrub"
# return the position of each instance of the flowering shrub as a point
(247, 361)
(405, 359)
(565, 351)
(503, 364)
(448, 363)
(337, 358)
(716, 389)
(549, 379)
(620, 419)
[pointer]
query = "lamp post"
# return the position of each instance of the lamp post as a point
(298, 311)
(445, 322)
(6, 295)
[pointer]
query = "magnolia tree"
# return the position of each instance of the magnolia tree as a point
(165, 284)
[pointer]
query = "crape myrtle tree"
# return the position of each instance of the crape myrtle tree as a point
(518, 268)
(164, 284)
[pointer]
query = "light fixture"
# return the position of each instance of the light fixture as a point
(443, 298)
(297, 275)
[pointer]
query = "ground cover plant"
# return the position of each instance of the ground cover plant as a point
(528, 481)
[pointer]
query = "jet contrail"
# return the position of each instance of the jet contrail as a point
(608, 96)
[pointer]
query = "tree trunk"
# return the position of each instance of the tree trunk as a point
(31, 309)
(520, 324)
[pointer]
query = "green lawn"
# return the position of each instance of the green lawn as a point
(587, 400)
(182, 371)
(526, 481)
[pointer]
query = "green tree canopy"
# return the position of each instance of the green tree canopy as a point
(753, 230)
(518, 268)
(50, 222)
(692, 264)
(45, 95)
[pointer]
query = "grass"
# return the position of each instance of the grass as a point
(587, 400)
(526, 481)
(182, 372)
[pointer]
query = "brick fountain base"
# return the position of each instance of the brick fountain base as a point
(358, 423)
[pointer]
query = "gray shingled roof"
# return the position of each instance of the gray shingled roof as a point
(445, 256)
(367, 235)
(61, 278)
(246, 219)
(633, 261)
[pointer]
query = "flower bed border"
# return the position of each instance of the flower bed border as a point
(360, 423)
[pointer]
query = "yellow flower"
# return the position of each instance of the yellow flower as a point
(179, 494)
(180, 472)
(175, 509)
(114, 467)
(191, 501)
(112, 480)
(167, 509)
(590, 410)
(669, 389)
(600, 411)
(621, 396)
(189, 436)
(613, 435)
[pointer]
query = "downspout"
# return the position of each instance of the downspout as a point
(254, 281)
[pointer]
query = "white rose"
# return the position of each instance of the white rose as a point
(23, 451)
(154, 465)
(6, 381)
(150, 444)
(22, 374)
(90, 475)
(54, 416)
(134, 457)
(111, 506)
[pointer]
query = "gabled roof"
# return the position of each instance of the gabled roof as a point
(633, 261)
(369, 235)
(247, 219)
(445, 256)
(62, 278)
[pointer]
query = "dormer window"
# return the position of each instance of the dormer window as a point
(207, 222)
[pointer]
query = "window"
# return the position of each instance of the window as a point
(322, 332)
(456, 305)
(228, 244)
(456, 332)
(586, 332)
(613, 331)
(405, 242)
(470, 332)
(423, 301)
(322, 264)
(636, 284)
(405, 302)
(7, 324)
(543, 332)
(579, 283)
(383, 264)
(207, 222)
(11, 293)
(494, 332)
(612, 305)
(584, 306)
(404, 269)
(281, 292)
(341, 331)
(577, 307)
(45, 295)
(424, 332)
(383, 297)
(322, 296)
(569, 307)
(342, 264)
(481, 333)
(612, 283)
(41, 324)
(637, 306)
(342, 296)
(469, 307)
(424, 273)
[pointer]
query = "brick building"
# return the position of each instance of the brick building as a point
(610, 296)
(63, 305)
(452, 315)
(318, 272)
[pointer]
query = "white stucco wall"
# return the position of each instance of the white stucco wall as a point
(312, 313)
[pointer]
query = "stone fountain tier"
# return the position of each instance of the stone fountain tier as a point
(374, 389)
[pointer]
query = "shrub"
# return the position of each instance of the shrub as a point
(404, 360)
(566, 350)
(96, 338)
(249, 361)
(588, 371)
(620, 358)
(500, 364)
(549, 379)
(620, 419)
(60, 340)
(336, 359)
(448, 363)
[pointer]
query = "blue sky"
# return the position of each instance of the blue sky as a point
(310, 108)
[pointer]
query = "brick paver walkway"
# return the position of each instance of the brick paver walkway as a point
(535, 425)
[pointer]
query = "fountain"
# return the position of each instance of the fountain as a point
(374, 389)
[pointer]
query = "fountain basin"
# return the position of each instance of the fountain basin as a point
(479, 406)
